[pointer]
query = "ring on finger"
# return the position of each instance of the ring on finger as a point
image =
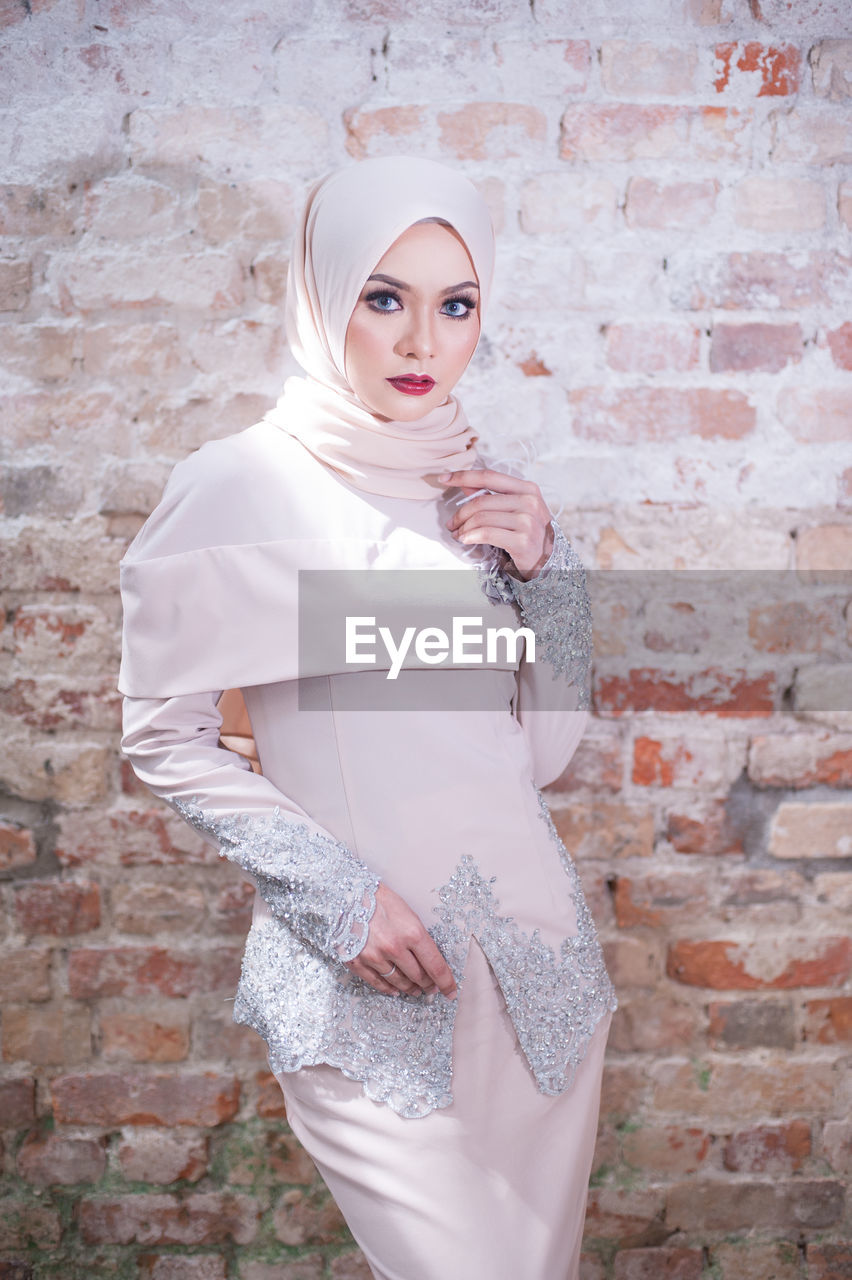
(391, 970)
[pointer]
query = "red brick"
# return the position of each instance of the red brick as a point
(604, 831)
(830, 1261)
(15, 285)
(821, 417)
(756, 1260)
(36, 211)
(274, 1152)
(139, 1037)
(598, 762)
(633, 962)
(660, 901)
(801, 760)
(831, 64)
(746, 280)
(790, 627)
(825, 547)
(844, 485)
(635, 69)
(774, 70)
(197, 1218)
(628, 1216)
(837, 1144)
(308, 1267)
(143, 908)
(133, 1098)
(840, 345)
(773, 1089)
(270, 1099)
(218, 1038)
(751, 1024)
(677, 762)
(370, 131)
(748, 1206)
(773, 965)
(658, 348)
(658, 1264)
(58, 907)
(23, 1223)
(15, 1269)
(819, 830)
(767, 348)
(675, 205)
(171, 1266)
(17, 1103)
(644, 415)
(204, 281)
(773, 204)
(17, 847)
(623, 1091)
(48, 706)
(146, 971)
(622, 131)
(160, 1157)
(53, 1160)
(829, 1021)
(306, 1218)
(350, 1266)
(844, 202)
(46, 1034)
(492, 130)
(130, 838)
(710, 832)
(773, 1149)
(231, 909)
(731, 693)
(651, 1024)
(670, 1149)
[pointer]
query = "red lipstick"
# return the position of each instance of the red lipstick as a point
(413, 384)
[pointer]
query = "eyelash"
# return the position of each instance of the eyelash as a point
(466, 301)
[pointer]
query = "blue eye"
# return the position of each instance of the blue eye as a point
(381, 300)
(461, 307)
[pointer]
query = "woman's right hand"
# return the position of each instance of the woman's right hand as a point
(398, 941)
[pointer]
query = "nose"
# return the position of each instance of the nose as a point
(417, 338)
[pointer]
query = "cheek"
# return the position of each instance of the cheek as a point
(357, 348)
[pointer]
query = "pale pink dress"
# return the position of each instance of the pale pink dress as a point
(456, 1152)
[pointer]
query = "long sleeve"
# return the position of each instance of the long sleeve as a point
(311, 881)
(553, 691)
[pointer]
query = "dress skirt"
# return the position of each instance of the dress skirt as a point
(492, 1187)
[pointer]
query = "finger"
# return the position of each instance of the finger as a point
(436, 967)
(409, 966)
(485, 478)
(372, 978)
(493, 502)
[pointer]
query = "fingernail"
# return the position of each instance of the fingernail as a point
(445, 475)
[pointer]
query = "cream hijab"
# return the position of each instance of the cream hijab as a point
(350, 221)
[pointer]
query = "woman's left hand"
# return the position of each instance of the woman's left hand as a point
(514, 517)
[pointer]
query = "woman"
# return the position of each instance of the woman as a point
(421, 963)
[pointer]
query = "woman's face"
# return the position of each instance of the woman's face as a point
(415, 324)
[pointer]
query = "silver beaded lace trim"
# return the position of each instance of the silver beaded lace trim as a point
(555, 604)
(300, 997)
(313, 883)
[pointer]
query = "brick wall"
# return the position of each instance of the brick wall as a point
(672, 186)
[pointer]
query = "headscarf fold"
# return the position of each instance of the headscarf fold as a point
(350, 221)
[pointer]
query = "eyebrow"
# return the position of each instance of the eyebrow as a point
(400, 284)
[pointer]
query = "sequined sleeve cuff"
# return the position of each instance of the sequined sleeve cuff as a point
(313, 883)
(555, 604)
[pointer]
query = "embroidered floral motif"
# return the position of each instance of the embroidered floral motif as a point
(311, 881)
(297, 993)
(555, 604)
